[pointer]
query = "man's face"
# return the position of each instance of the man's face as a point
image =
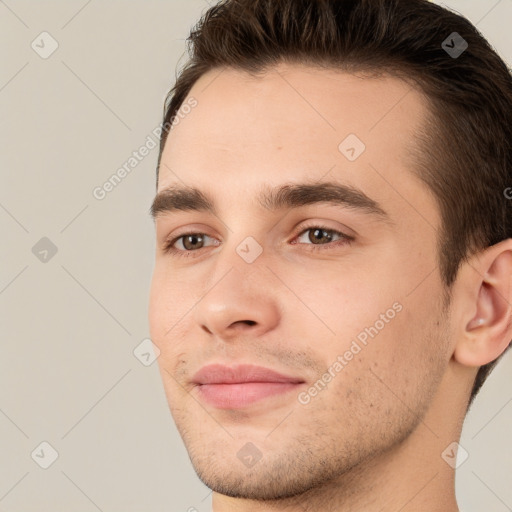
(269, 287)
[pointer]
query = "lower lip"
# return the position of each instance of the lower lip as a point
(234, 396)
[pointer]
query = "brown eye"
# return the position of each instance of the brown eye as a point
(187, 243)
(319, 235)
(192, 241)
(320, 238)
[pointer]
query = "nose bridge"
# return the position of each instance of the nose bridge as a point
(242, 256)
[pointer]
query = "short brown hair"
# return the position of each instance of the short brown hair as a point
(464, 152)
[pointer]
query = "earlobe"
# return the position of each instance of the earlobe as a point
(488, 332)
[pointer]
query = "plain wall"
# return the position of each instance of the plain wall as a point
(71, 322)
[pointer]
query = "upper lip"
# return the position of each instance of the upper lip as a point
(221, 374)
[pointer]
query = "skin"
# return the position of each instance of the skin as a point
(372, 440)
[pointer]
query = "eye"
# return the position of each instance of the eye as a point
(189, 242)
(319, 236)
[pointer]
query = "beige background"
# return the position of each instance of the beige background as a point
(70, 324)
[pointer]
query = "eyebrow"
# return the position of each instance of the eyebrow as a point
(183, 198)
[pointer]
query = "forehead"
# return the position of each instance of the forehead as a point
(293, 123)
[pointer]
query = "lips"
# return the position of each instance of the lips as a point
(220, 374)
(228, 387)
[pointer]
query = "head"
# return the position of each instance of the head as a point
(412, 147)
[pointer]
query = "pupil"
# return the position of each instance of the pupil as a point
(318, 235)
(191, 240)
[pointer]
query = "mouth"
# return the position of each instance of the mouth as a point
(227, 387)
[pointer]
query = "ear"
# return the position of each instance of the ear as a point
(485, 295)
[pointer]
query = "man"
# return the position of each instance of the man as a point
(334, 250)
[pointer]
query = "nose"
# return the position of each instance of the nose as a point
(239, 303)
(236, 326)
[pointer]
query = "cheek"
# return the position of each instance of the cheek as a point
(381, 334)
(166, 308)
(341, 304)
(394, 375)
(406, 358)
(167, 333)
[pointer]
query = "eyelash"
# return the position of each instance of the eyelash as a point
(344, 240)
